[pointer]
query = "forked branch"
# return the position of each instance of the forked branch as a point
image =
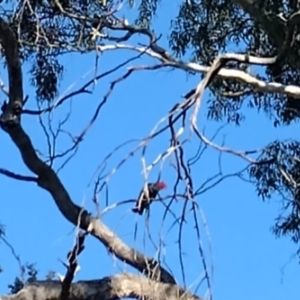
(48, 179)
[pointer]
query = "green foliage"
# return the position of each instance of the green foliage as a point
(282, 178)
(208, 28)
(45, 33)
(147, 9)
(51, 275)
(46, 72)
(29, 275)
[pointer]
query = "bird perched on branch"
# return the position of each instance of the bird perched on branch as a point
(147, 196)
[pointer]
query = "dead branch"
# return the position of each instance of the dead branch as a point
(72, 258)
(108, 288)
(15, 255)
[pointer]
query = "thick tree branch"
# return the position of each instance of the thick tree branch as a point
(107, 288)
(48, 180)
(256, 84)
(72, 267)
(12, 111)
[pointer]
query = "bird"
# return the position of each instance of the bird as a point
(144, 200)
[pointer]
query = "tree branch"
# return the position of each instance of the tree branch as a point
(275, 29)
(72, 267)
(17, 176)
(12, 111)
(256, 84)
(48, 180)
(108, 288)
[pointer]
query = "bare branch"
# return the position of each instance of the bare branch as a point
(17, 176)
(226, 73)
(81, 90)
(48, 179)
(72, 258)
(16, 256)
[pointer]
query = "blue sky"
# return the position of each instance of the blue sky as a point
(248, 261)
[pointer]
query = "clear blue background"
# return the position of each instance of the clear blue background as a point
(248, 261)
